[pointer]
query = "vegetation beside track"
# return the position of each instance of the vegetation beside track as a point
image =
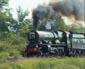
(45, 63)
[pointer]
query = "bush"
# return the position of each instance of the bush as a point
(15, 54)
(14, 45)
(4, 56)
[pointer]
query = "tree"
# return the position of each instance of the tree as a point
(4, 16)
(57, 23)
(22, 24)
(77, 28)
(3, 3)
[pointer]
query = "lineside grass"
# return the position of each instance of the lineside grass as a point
(45, 63)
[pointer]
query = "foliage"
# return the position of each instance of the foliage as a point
(23, 24)
(56, 24)
(3, 3)
(77, 28)
(4, 19)
(48, 63)
(5, 16)
(12, 32)
(59, 24)
(4, 56)
(13, 44)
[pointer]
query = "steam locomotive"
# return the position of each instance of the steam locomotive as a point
(57, 43)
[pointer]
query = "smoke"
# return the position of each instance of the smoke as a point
(40, 13)
(70, 7)
(65, 7)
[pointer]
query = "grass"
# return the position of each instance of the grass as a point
(45, 63)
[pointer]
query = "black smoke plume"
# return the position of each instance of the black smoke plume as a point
(65, 7)
(35, 20)
(40, 13)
